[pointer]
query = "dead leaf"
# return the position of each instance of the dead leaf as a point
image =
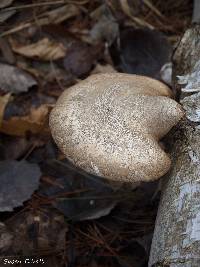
(76, 194)
(196, 12)
(7, 51)
(18, 181)
(5, 3)
(153, 8)
(15, 80)
(54, 16)
(4, 15)
(106, 26)
(80, 57)
(35, 122)
(127, 10)
(125, 7)
(61, 14)
(44, 49)
(3, 102)
(166, 73)
(141, 51)
(15, 147)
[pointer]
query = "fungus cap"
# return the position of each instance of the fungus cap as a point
(110, 125)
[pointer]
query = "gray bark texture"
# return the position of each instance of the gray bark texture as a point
(176, 240)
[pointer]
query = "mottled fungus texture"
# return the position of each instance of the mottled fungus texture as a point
(110, 125)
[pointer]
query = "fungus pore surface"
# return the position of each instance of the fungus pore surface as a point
(110, 125)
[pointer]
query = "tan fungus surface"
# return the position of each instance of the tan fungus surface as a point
(110, 125)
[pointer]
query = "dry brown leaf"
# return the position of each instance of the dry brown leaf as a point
(4, 15)
(44, 49)
(127, 10)
(5, 3)
(54, 16)
(3, 102)
(35, 122)
(153, 8)
(7, 51)
(15, 80)
(125, 7)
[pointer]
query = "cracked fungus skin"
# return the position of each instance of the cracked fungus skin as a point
(110, 125)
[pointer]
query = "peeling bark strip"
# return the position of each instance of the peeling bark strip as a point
(176, 241)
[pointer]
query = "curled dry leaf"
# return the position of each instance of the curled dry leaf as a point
(44, 49)
(15, 80)
(54, 16)
(5, 3)
(5, 14)
(126, 7)
(106, 26)
(6, 51)
(166, 73)
(3, 102)
(60, 14)
(35, 122)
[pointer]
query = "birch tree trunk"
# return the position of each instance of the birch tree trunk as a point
(176, 241)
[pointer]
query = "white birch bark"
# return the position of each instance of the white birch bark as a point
(176, 241)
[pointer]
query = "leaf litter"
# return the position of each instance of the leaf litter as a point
(49, 209)
(15, 187)
(15, 80)
(44, 49)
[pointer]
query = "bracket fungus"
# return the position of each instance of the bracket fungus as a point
(110, 125)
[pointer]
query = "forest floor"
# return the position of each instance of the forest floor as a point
(52, 213)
